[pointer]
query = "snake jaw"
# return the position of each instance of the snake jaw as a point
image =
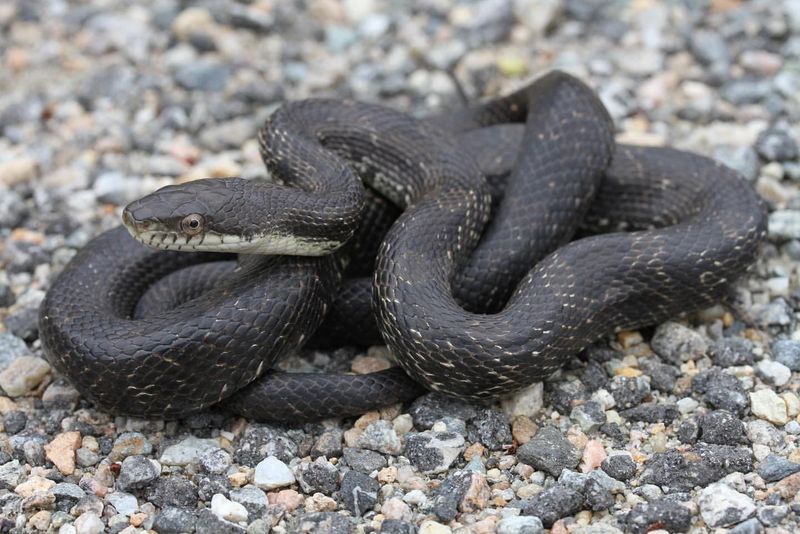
(162, 238)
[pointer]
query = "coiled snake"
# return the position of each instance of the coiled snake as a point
(474, 298)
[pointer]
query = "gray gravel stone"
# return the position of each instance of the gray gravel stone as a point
(676, 343)
(732, 351)
(215, 461)
(90, 503)
(722, 390)
(209, 523)
(14, 421)
(359, 492)
(699, 466)
(203, 76)
(449, 495)
(491, 428)
(775, 468)
(137, 472)
(662, 376)
(12, 209)
(24, 322)
(432, 407)
(689, 431)
(520, 525)
(782, 224)
(117, 188)
(329, 444)
(433, 452)
(751, 526)
(380, 436)
(651, 413)
(319, 475)
(763, 433)
(11, 474)
(620, 466)
(565, 395)
(743, 159)
(596, 487)
(722, 506)
(172, 491)
(590, 416)
(772, 516)
(554, 503)
(787, 352)
(398, 526)
(454, 424)
(253, 499)
(364, 460)
(209, 485)
(776, 144)
(721, 427)
(60, 394)
(709, 47)
(662, 513)
(741, 92)
(67, 495)
(773, 373)
(260, 441)
(7, 296)
(28, 445)
(549, 451)
(173, 520)
(629, 391)
(323, 522)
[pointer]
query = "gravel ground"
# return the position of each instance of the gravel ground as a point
(690, 426)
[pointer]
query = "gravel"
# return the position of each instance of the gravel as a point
(687, 426)
(549, 451)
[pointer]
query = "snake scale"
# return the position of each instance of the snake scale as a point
(478, 288)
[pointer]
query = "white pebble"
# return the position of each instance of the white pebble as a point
(415, 497)
(765, 404)
(227, 509)
(123, 503)
(88, 523)
(271, 473)
(687, 405)
(432, 527)
(187, 451)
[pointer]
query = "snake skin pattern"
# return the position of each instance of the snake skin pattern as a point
(475, 297)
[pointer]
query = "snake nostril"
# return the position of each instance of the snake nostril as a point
(127, 218)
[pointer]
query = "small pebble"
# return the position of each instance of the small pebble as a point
(226, 509)
(271, 473)
(721, 506)
(23, 375)
(766, 404)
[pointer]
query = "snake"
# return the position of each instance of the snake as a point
(478, 286)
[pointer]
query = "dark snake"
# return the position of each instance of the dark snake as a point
(475, 298)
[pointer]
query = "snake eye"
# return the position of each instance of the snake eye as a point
(192, 224)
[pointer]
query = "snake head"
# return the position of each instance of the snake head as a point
(185, 216)
(220, 215)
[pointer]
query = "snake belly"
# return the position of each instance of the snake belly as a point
(454, 293)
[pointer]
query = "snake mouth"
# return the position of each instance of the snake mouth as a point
(205, 242)
(268, 244)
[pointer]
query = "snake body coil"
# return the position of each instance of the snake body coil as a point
(475, 298)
